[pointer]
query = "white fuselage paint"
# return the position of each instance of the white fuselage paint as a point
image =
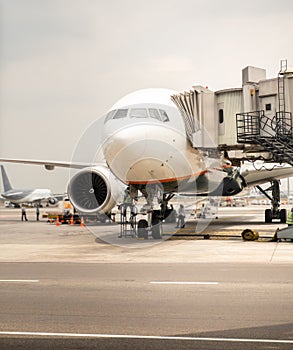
(144, 150)
(27, 196)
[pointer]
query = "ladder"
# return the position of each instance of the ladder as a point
(128, 221)
(281, 86)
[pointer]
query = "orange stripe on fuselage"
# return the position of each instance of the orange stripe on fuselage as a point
(173, 179)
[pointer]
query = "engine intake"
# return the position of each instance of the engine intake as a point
(91, 191)
(53, 200)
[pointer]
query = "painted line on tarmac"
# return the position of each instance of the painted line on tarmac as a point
(184, 283)
(19, 281)
(151, 337)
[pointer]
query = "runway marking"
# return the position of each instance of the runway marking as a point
(20, 281)
(154, 337)
(183, 283)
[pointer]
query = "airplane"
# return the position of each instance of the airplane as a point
(145, 147)
(20, 196)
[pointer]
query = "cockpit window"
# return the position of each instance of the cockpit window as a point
(164, 115)
(154, 113)
(138, 113)
(121, 113)
(110, 115)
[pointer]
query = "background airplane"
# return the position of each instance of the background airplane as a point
(19, 196)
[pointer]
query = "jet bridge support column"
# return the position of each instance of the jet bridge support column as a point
(274, 212)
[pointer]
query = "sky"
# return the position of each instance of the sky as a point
(64, 63)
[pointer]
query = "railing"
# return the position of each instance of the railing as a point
(284, 124)
(255, 124)
(248, 126)
(275, 134)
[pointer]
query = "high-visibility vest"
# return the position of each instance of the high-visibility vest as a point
(128, 199)
(289, 218)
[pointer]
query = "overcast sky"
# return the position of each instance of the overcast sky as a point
(64, 63)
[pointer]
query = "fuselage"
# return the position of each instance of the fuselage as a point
(146, 143)
(27, 195)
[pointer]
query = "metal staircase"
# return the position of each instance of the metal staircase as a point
(273, 135)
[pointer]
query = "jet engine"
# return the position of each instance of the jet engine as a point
(94, 190)
(53, 200)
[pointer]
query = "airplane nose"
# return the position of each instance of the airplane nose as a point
(128, 144)
(143, 153)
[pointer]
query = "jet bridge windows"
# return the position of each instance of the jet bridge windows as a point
(221, 116)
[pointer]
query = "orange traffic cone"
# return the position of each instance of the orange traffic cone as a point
(57, 221)
(81, 222)
(71, 220)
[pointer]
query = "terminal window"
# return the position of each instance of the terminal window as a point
(268, 107)
(221, 116)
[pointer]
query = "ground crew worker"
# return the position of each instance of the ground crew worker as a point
(37, 213)
(127, 201)
(289, 221)
(23, 214)
(181, 217)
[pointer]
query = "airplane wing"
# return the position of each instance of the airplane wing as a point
(49, 165)
(251, 176)
(257, 177)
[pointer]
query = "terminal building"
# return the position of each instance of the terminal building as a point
(253, 121)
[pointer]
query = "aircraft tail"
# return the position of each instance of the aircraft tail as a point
(6, 183)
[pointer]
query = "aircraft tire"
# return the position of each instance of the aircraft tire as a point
(142, 229)
(283, 216)
(156, 229)
(268, 216)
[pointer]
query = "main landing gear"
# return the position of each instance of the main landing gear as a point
(275, 212)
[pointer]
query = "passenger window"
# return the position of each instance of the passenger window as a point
(121, 113)
(138, 113)
(164, 115)
(154, 113)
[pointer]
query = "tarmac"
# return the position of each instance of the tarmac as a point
(74, 287)
(44, 242)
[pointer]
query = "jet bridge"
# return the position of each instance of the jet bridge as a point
(250, 123)
(197, 108)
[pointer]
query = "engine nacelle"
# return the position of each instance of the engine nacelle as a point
(94, 190)
(231, 185)
(53, 200)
